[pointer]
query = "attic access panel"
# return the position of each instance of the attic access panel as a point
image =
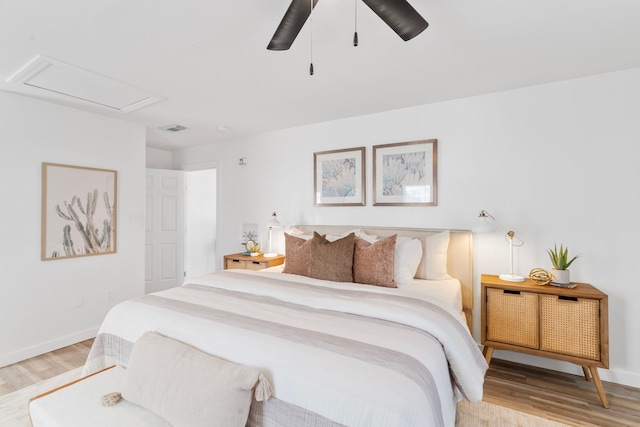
(50, 78)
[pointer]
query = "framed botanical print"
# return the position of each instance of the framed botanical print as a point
(405, 174)
(339, 177)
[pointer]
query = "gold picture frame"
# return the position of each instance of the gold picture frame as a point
(339, 177)
(406, 173)
(79, 211)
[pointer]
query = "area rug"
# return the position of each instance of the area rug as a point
(484, 414)
(14, 408)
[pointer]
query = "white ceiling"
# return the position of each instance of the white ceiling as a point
(208, 59)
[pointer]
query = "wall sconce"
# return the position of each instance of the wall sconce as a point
(485, 219)
(272, 223)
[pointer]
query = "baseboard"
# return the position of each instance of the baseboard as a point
(617, 376)
(45, 347)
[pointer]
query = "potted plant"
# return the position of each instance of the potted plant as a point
(561, 262)
(254, 250)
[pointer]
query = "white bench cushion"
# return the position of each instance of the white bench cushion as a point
(79, 404)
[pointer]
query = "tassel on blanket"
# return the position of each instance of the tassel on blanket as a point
(263, 389)
(111, 399)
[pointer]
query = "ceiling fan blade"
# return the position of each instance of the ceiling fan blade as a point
(291, 24)
(400, 16)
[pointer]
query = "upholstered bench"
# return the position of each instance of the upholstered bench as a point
(166, 383)
(79, 404)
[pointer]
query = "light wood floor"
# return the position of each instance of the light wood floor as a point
(18, 375)
(549, 394)
(561, 397)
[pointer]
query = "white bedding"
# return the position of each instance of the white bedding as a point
(335, 353)
(448, 292)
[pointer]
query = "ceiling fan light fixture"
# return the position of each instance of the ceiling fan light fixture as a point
(291, 24)
(355, 23)
(399, 15)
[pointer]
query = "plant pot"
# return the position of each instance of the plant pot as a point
(560, 276)
(255, 253)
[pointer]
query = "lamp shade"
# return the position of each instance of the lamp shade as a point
(486, 223)
(273, 222)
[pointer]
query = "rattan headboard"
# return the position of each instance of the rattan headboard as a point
(459, 255)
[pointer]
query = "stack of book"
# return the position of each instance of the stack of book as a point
(563, 285)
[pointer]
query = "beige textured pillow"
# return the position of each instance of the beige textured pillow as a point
(190, 388)
(297, 255)
(373, 262)
(332, 260)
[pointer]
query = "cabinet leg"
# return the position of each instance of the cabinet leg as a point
(598, 384)
(488, 353)
(587, 375)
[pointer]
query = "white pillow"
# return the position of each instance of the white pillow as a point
(293, 231)
(367, 237)
(406, 260)
(358, 232)
(190, 388)
(436, 258)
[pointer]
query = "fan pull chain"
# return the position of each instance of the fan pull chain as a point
(355, 25)
(311, 42)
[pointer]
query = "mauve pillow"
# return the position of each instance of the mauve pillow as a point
(373, 262)
(297, 255)
(332, 260)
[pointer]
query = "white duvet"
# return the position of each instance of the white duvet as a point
(335, 353)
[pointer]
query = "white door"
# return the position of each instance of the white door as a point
(164, 222)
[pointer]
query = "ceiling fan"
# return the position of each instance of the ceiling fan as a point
(397, 14)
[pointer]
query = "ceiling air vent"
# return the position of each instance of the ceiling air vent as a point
(172, 128)
(49, 78)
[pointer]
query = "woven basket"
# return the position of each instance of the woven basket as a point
(512, 317)
(570, 326)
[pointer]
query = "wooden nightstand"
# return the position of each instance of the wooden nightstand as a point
(560, 323)
(247, 262)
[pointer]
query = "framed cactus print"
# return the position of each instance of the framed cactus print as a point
(79, 211)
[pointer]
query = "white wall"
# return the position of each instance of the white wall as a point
(158, 159)
(36, 302)
(557, 162)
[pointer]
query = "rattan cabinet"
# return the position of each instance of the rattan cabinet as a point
(565, 324)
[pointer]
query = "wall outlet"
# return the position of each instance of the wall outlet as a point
(78, 300)
(111, 294)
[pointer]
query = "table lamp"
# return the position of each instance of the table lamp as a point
(272, 223)
(484, 219)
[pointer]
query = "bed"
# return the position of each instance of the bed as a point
(336, 353)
